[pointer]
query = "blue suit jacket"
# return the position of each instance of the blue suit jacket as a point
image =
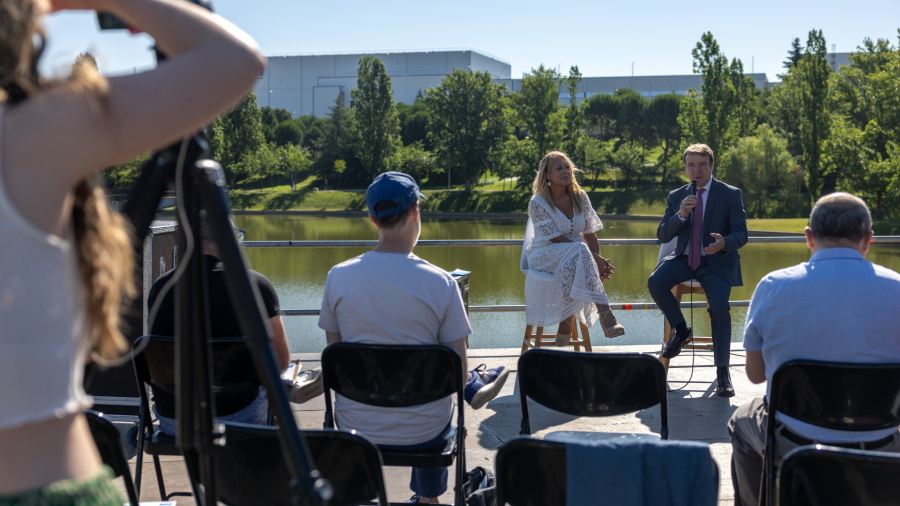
(724, 216)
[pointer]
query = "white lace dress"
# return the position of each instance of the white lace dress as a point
(562, 278)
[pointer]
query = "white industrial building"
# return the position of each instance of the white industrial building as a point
(309, 84)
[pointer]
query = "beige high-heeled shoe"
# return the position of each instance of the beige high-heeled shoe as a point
(563, 339)
(614, 331)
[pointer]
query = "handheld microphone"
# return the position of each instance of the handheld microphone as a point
(694, 188)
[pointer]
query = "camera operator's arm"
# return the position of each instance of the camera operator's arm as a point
(68, 131)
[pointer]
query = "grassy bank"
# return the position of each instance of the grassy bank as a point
(608, 201)
(280, 198)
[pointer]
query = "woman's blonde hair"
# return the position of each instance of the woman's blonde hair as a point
(540, 186)
(102, 237)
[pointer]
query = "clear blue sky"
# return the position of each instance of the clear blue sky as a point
(603, 38)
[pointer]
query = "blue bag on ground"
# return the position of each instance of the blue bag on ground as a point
(640, 473)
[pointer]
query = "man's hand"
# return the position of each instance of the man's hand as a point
(719, 245)
(687, 205)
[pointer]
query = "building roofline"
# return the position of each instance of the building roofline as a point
(391, 51)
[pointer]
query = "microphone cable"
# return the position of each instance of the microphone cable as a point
(693, 349)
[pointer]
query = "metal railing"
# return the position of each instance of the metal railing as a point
(626, 306)
(884, 239)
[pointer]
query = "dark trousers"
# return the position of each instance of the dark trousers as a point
(718, 291)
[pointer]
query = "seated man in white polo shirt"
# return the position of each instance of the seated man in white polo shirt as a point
(391, 296)
(837, 308)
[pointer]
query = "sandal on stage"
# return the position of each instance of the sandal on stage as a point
(563, 339)
(614, 331)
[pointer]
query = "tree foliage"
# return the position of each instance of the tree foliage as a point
(537, 105)
(812, 76)
(760, 166)
(376, 127)
(725, 109)
(468, 122)
(795, 54)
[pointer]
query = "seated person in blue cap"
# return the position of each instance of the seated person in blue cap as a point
(391, 296)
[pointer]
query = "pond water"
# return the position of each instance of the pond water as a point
(299, 274)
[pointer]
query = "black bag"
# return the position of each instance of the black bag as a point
(480, 488)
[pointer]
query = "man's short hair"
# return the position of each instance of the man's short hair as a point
(699, 149)
(392, 220)
(840, 217)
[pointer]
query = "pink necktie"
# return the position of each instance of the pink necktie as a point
(696, 232)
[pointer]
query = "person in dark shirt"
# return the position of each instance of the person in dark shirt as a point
(252, 407)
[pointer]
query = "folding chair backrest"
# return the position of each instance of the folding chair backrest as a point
(839, 396)
(592, 384)
(531, 472)
(391, 376)
(109, 444)
(251, 468)
(234, 373)
(823, 475)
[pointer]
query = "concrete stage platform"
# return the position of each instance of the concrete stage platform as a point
(695, 414)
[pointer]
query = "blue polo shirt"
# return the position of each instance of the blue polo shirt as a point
(837, 307)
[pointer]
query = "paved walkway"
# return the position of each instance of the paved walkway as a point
(695, 414)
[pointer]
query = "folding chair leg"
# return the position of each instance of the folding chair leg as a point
(138, 468)
(159, 478)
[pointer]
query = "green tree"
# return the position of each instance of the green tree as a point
(339, 167)
(292, 159)
(812, 74)
(271, 118)
(519, 162)
(416, 161)
(631, 117)
(595, 157)
(662, 116)
(468, 122)
(795, 54)
(726, 105)
(783, 105)
(760, 165)
(537, 105)
(630, 160)
(237, 136)
(855, 154)
(574, 114)
(335, 141)
(376, 127)
(414, 120)
(600, 113)
(287, 132)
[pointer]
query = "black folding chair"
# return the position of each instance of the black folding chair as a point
(592, 384)
(824, 475)
(400, 376)
(234, 379)
(840, 396)
(251, 468)
(109, 444)
(531, 472)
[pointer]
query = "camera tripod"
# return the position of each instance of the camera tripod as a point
(200, 186)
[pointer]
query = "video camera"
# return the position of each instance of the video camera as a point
(109, 22)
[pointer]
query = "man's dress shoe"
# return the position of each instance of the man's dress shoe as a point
(723, 383)
(675, 345)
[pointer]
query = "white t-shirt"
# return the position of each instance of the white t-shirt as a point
(387, 298)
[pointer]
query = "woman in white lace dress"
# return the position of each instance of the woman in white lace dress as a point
(564, 267)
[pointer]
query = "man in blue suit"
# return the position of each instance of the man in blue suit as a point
(710, 228)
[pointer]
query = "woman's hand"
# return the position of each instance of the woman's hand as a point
(606, 269)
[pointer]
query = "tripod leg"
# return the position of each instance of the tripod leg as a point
(249, 307)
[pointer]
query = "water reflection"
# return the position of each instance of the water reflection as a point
(299, 274)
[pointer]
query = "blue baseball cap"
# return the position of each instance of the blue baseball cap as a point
(396, 187)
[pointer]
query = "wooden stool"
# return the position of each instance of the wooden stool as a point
(540, 340)
(669, 332)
